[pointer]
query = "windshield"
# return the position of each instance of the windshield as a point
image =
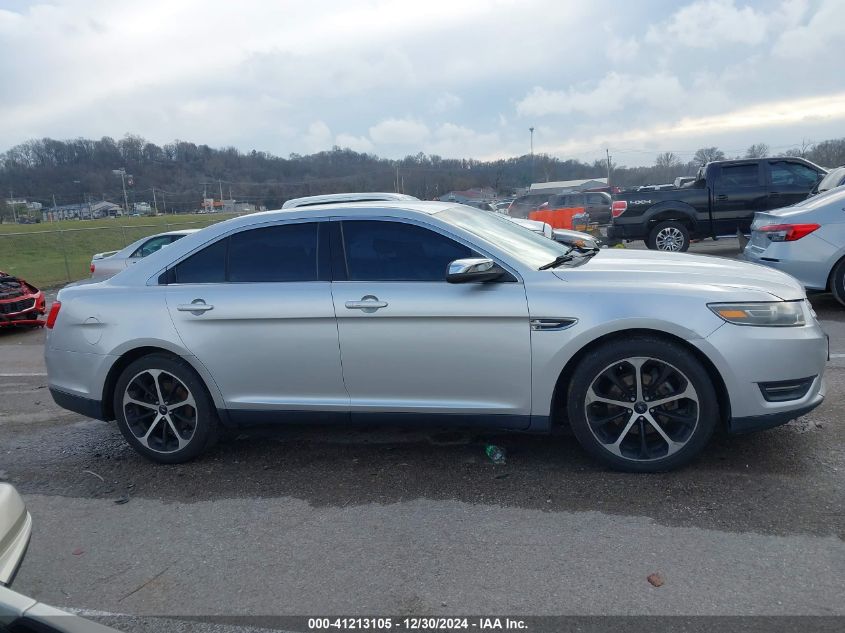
(833, 179)
(519, 242)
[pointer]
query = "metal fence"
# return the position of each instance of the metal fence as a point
(51, 257)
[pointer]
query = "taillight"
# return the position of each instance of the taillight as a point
(92, 267)
(618, 208)
(787, 232)
(54, 314)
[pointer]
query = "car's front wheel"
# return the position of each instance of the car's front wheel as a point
(163, 409)
(642, 405)
(837, 282)
(670, 236)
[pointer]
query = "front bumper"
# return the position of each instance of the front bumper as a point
(747, 356)
(25, 310)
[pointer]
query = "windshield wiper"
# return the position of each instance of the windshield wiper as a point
(568, 256)
(560, 259)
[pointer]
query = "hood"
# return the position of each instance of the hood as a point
(712, 276)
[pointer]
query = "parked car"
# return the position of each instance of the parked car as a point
(577, 239)
(18, 613)
(595, 204)
(523, 205)
(104, 265)
(542, 228)
(721, 201)
(21, 303)
(245, 322)
(806, 240)
(834, 178)
(373, 196)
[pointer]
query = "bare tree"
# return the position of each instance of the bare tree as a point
(708, 154)
(758, 150)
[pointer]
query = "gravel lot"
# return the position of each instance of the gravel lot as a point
(385, 521)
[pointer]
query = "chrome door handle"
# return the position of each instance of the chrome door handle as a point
(368, 303)
(197, 306)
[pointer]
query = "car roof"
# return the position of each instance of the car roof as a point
(336, 198)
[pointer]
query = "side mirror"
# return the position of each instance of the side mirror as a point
(474, 269)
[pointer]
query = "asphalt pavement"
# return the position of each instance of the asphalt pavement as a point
(387, 521)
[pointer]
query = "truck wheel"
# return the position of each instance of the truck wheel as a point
(669, 236)
(642, 405)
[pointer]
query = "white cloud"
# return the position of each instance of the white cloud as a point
(318, 137)
(612, 93)
(456, 141)
(445, 102)
(621, 50)
(355, 143)
(399, 132)
(710, 23)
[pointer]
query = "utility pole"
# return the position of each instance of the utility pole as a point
(220, 184)
(607, 151)
(122, 173)
(163, 204)
(12, 204)
(531, 129)
(53, 214)
(155, 204)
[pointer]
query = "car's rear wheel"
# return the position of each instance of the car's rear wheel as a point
(837, 282)
(642, 405)
(163, 409)
(671, 236)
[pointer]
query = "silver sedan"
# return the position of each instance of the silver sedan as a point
(441, 314)
(104, 265)
(806, 240)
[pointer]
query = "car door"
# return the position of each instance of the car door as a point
(739, 192)
(414, 346)
(598, 206)
(789, 182)
(255, 308)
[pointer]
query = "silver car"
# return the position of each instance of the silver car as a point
(806, 240)
(104, 265)
(430, 313)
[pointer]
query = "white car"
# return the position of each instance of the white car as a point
(806, 240)
(104, 265)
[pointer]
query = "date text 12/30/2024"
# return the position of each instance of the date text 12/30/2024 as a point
(417, 624)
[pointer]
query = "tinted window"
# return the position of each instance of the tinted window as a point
(793, 174)
(596, 199)
(208, 266)
(275, 253)
(740, 175)
(393, 251)
(152, 245)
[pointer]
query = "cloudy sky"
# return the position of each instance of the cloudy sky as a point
(459, 78)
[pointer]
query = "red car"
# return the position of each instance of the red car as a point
(20, 303)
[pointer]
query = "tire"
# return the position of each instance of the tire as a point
(837, 282)
(165, 434)
(671, 236)
(635, 435)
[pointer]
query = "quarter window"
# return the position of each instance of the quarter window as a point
(378, 250)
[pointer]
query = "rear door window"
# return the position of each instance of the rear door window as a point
(287, 252)
(740, 175)
(208, 266)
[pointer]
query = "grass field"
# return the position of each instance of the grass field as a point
(37, 252)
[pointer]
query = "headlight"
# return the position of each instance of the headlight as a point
(766, 314)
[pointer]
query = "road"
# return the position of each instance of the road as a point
(384, 521)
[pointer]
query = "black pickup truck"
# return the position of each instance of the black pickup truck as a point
(720, 201)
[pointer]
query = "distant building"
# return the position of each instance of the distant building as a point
(565, 186)
(83, 210)
(142, 208)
